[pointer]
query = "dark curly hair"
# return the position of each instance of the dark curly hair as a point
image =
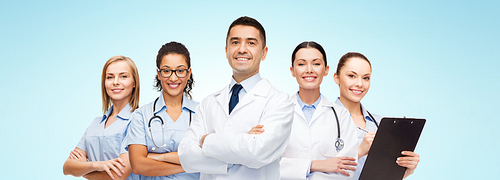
(174, 48)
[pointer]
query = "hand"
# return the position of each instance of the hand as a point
(365, 145)
(202, 140)
(256, 130)
(336, 164)
(410, 161)
(117, 165)
(77, 155)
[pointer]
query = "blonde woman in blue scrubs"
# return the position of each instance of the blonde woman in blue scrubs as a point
(312, 152)
(353, 77)
(153, 141)
(101, 154)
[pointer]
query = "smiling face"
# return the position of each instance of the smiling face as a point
(173, 86)
(119, 82)
(309, 68)
(353, 79)
(244, 51)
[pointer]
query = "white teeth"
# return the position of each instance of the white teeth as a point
(173, 85)
(356, 91)
(242, 59)
(309, 78)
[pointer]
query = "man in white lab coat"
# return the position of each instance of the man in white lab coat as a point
(218, 144)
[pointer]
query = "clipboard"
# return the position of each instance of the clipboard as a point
(393, 136)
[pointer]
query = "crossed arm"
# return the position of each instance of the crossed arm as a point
(78, 165)
(254, 151)
(153, 164)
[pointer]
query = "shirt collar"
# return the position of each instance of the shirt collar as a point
(186, 104)
(363, 109)
(248, 84)
(365, 113)
(302, 104)
(124, 114)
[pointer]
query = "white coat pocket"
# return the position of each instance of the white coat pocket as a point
(327, 148)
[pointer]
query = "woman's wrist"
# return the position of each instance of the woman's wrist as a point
(93, 166)
(361, 153)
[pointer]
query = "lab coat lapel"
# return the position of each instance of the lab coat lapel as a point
(261, 89)
(323, 104)
(298, 110)
(223, 99)
(318, 112)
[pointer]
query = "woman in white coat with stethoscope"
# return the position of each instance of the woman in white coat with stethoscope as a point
(353, 77)
(157, 128)
(322, 143)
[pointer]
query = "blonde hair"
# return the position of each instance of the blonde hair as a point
(134, 100)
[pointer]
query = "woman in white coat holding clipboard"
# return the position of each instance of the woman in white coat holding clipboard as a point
(353, 77)
(315, 150)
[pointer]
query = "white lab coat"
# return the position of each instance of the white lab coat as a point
(316, 141)
(229, 152)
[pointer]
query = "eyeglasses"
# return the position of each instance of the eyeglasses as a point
(166, 73)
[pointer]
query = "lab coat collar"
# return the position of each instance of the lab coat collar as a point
(319, 110)
(262, 88)
(363, 109)
(365, 113)
(302, 103)
(123, 115)
(298, 109)
(247, 84)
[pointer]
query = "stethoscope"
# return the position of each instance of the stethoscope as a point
(339, 144)
(373, 119)
(162, 126)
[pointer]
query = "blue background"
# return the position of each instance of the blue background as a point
(431, 59)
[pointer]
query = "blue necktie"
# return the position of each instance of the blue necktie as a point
(234, 97)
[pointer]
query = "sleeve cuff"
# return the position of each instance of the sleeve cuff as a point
(308, 173)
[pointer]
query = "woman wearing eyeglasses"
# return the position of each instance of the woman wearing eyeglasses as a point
(353, 77)
(101, 153)
(157, 128)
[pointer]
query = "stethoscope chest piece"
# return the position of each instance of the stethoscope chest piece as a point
(339, 144)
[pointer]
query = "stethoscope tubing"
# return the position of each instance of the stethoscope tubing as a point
(339, 143)
(162, 125)
(375, 121)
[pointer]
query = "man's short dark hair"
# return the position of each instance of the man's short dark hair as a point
(248, 21)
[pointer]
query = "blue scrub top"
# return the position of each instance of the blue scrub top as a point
(371, 127)
(173, 132)
(102, 144)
